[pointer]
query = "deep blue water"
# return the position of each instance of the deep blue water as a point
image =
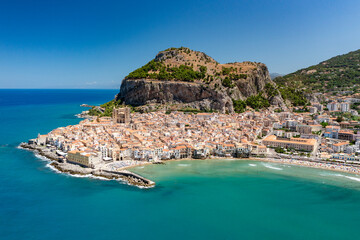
(192, 200)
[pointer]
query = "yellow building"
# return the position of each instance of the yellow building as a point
(82, 158)
(295, 143)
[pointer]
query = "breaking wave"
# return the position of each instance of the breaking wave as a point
(340, 175)
(183, 165)
(272, 167)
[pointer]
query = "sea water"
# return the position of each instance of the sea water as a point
(203, 199)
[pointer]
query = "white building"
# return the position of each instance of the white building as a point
(344, 107)
(333, 106)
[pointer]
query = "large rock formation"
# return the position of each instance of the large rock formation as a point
(185, 78)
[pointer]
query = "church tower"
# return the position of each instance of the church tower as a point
(121, 115)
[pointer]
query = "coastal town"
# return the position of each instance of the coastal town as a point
(128, 138)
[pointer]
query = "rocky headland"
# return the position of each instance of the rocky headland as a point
(183, 78)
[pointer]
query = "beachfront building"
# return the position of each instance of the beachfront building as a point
(259, 149)
(295, 143)
(340, 146)
(345, 157)
(85, 159)
(41, 139)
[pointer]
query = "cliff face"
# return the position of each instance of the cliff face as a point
(192, 79)
(139, 92)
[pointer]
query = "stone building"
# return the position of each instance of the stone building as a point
(121, 115)
(295, 143)
(85, 159)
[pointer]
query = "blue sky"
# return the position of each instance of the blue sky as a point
(94, 44)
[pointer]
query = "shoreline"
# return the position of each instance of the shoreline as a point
(73, 170)
(302, 163)
(310, 164)
(127, 177)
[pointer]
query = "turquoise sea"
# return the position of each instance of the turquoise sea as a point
(211, 199)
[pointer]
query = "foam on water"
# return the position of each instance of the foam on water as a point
(252, 165)
(272, 167)
(48, 165)
(353, 178)
(42, 158)
(183, 165)
(339, 175)
(75, 175)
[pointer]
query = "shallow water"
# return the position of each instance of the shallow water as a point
(215, 199)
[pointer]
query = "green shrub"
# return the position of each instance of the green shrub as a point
(296, 97)
(257, 102)
(227, 82)
(239, 105)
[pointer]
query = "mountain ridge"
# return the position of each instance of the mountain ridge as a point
(334, 74)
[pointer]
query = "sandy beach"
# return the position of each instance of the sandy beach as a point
(326, 166)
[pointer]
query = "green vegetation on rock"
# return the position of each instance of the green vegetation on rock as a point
(270, 90)
(296, 97)
(157, 70)
(105, 110)
(239, 105)
(143, 72)
(257, 101)
(227, 82)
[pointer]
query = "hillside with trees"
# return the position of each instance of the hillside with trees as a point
(340, 73)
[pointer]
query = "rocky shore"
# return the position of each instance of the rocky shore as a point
(58, 163)
(84, 114)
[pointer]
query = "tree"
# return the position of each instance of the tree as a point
(203, 69)
(339, 119)
(239, 106)
(226, 82)
(324, 124)
(270, 90)
(279, 150)
(257, 101)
